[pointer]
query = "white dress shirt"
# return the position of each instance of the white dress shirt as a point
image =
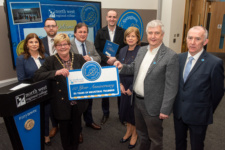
(51, 48)
(112, 34)
(139, 82)
(196, 56)
(79, 48)
(37, 61)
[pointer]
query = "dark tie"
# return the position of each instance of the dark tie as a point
(84, 52)
(188, 68)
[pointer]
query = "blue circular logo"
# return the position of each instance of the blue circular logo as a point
(89, 15)
(131, 18)
(91, 70)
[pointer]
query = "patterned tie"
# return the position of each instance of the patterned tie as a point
(84, 52)
(53, 48)
(188, 68)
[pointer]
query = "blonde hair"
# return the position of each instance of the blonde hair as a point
(136, 31)
(61, 37)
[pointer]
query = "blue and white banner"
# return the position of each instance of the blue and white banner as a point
(28, 16)
(93, 81)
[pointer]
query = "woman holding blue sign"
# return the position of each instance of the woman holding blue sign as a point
(68, 113)
(127, 56)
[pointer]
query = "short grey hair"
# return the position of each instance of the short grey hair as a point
(200, 27)
(155, 23)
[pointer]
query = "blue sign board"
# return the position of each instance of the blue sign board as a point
(93, 81)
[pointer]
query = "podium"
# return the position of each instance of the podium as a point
(22, 111)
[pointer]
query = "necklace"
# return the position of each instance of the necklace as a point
(71, 65)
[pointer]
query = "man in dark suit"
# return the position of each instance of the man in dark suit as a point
(51, 29)
(115, 34)
(201, 87)
(155, 71)
(48, 42)
(80, 45)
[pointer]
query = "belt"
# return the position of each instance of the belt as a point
(139, 96)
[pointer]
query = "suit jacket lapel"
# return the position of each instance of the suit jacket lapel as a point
(182, 61)
(74, 47)
(41, 60)
(87, 48)
(116, 35)
(123, 55)
(199, 62)
(45, 43)
(158, 57)
(141, 57)
(106, 33)
(32, 63)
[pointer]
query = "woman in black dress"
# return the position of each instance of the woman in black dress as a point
(56, 69)
(127, 56)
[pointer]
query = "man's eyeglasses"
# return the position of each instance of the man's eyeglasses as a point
(62, 45)
(51, 26)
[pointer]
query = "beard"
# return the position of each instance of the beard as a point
(52, 34)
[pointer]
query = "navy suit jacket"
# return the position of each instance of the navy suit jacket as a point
(199, 96)
(45, 43)
(25, 68)
(122, 56)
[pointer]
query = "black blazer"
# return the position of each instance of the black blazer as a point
(45, 43)
(60, 102)
(199, 96)
(102, 36)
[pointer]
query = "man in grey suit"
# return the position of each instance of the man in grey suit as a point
(80, 45)
(80, 34)
(155, 71)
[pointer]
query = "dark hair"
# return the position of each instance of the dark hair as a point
(80, 25)
(41, 48)
(50, 19)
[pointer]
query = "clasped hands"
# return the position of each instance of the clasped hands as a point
(125, 92)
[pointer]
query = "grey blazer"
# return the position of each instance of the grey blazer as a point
(91, 51)
(161, 80)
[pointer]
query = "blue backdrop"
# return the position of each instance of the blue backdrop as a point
(27, 16)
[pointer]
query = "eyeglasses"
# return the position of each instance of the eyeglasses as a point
(51, 26)
(61, 45)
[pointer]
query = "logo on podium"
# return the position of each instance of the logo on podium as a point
(20, 100)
